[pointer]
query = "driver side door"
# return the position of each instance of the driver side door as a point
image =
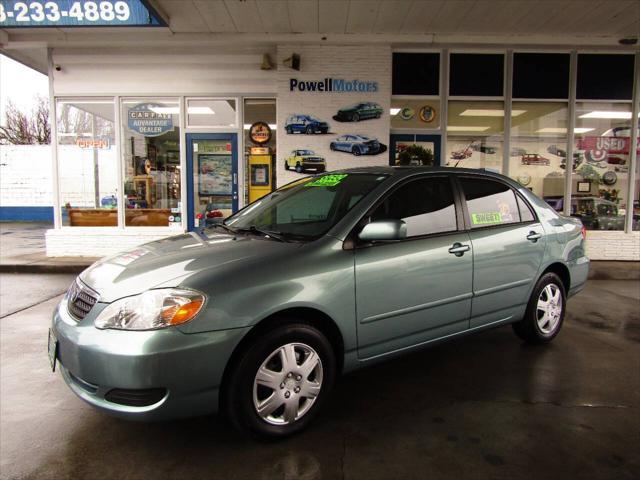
(412, 291)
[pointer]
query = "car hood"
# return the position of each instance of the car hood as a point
(170, 261)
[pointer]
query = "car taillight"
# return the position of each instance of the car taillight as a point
(583, 230)
(214, 214)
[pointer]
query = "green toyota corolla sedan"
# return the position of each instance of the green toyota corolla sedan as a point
(258, 315)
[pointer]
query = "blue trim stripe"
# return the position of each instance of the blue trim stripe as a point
(26, 214)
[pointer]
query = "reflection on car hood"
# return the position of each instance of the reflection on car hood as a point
(168, 262)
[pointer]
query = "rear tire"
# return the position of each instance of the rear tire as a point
(276, 370)
(545, 311)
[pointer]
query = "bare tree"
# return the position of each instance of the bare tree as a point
(31, 128)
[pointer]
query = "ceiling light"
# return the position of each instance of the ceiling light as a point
(457, 128)
(272, 126)
(606, 114)
(394, 111)
(487, 112)
(201, 111)
(563, 130)
(165, 110)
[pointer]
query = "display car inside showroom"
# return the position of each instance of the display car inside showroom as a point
(184, 132)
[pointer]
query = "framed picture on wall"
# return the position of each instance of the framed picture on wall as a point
(584, 187)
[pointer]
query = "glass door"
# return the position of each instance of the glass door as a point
(414, 150)
(212, 173)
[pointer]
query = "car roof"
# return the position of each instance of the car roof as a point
(407, 171)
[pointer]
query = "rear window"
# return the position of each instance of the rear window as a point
(489, 202)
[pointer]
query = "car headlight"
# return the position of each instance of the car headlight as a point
(151, 310)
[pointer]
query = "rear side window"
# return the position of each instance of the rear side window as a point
(425, 205)
(489, 202)
(526, 215)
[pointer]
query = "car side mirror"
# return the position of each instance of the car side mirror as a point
(384, 230)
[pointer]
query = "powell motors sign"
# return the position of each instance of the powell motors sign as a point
(150, 119)
(329, 84)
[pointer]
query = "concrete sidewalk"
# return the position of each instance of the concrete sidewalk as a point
(22, 250)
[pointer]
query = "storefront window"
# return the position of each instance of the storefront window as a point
(261, 165)
(475, 134)
(214, 113)
(538, 151)
(87, 163)
(151, 154)
(603, 131)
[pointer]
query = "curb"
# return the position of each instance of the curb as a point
(614, 270)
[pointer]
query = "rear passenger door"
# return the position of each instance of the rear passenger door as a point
(418, 289)
(508, 248)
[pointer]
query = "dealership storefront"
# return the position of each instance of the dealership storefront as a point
(155, 141)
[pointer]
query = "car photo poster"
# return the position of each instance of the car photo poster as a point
(333, 113)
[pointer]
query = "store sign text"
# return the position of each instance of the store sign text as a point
(69, 13)
(99, 143)
(339, 85)
(148, 120)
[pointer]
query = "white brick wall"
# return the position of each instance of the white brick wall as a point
(346, 62)
(99, 242)
(603, 245)
(25, 176)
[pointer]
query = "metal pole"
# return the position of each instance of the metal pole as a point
(568, 171)
(508, 94)
(633, 148)
(444, 107)
(55, 171)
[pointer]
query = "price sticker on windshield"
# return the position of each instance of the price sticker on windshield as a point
(327, 180)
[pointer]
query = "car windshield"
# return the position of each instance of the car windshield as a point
(305, 152)
(305, 209)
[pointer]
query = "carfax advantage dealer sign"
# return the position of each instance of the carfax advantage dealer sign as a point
(332, 85)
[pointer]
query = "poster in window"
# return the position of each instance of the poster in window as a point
(214, 174)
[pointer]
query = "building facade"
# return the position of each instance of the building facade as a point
(153, 140)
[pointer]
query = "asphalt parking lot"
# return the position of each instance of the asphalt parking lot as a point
(486, 406)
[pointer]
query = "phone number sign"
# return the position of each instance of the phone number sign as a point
(69, 13)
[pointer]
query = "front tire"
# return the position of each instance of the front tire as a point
(299, 168)
(545, 311)
(280, 382)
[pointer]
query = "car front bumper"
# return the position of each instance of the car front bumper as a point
(184, 371)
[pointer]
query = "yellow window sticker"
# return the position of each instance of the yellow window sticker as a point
(327, 180)
(487, 218)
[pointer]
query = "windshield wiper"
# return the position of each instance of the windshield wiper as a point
(253, 229)
(222, 225)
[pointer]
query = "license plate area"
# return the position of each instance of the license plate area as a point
(52, 348)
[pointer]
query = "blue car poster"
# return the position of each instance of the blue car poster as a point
(215, 174)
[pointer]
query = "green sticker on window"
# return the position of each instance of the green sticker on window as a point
(327, 180)
(488, 218)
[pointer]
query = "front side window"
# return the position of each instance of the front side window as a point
(308, 208)
(425, 205)
(489, 202)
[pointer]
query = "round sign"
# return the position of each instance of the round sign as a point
(524, 179)
(407, 113)
(609, 178)
(427, 113)
(260, 133)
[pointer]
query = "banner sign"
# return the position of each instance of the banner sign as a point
(338, 85)
(149, 119)
(70, 13)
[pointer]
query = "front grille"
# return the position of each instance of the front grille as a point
(80, 300)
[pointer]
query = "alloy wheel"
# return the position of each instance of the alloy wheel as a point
(549, 308)
(287, 384)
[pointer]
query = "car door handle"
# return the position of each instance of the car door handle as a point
(534, 236)
(458, 249)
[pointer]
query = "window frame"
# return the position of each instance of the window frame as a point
(463, 200)
(352, 240)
